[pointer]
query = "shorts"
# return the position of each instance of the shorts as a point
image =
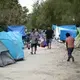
(49, 41)
(34, 45)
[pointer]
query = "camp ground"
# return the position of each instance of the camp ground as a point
(46, 64)
(12, 44)
(39, 39)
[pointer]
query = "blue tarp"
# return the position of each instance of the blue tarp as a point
(20, 29)
(62, 30)
(12, 44)
(72, 27)
(67, 29)
(73, 33)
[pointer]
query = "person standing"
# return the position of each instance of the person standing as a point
(49, 35)
(34, 40)
(37, 33)
(69, 46)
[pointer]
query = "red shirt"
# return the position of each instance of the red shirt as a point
(70, 42)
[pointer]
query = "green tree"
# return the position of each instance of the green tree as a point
(12, 13)
(55, 12)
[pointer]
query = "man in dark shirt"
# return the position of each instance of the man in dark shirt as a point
(49, 36)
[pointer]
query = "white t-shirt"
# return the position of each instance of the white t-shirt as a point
(34, 37)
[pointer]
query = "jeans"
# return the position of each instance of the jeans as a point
(70, 50)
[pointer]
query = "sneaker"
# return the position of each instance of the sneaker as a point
(31, 52)
(34, 52)
(68, 60)
(28, 48)
(73, 60)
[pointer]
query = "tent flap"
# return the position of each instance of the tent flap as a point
(5, 59)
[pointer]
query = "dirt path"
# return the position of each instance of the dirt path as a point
(45, 65)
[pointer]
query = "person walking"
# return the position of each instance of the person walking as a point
(69, 46)
(49, 35)
(37, 33)
(34, 40)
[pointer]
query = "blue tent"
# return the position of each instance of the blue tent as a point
(20, 29)
(60, 31)
(17, 37)
(67, 29)
(73, 33)
(12, 44)
(70, 27)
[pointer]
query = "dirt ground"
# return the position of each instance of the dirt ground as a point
(47, 64)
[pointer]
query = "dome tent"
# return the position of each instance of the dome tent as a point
(12, 44)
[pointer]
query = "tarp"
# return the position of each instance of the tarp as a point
(20, 29)
(12, 44)
(73, 33)
(72, 27)
(63, 28)
(68, 27)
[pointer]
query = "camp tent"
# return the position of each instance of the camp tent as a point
(63, 34)
(5, 57)
(20, 29)
(12, 44)
(60, 30)
(17, 36)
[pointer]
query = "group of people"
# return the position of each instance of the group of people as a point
(49, 33)
(35, 35)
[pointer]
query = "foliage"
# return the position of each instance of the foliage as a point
(11, 13)
(55, 12)
(44, 13)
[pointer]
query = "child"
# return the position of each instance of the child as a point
(70, 46)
